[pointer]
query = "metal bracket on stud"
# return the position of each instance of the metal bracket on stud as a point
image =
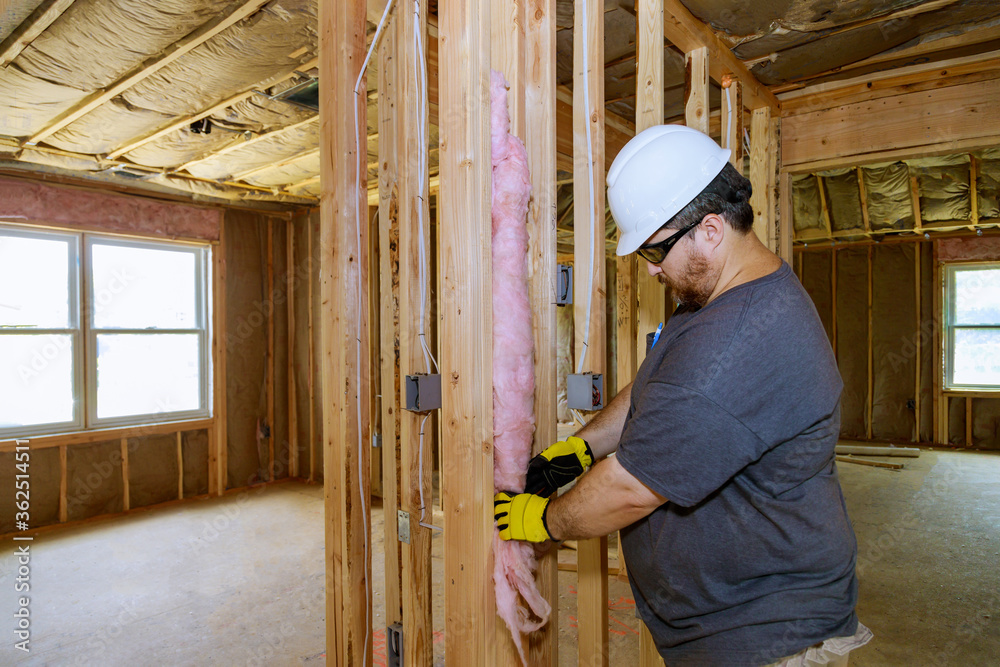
(403, 525)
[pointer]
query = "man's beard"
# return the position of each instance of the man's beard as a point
(695, 287)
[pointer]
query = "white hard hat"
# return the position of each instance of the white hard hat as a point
(658, 172)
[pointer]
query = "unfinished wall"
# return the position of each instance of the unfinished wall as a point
(43, 474)
(902, 344)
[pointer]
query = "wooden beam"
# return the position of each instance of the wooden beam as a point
(696, 105)
(648, 655)
(918, 358)
(38, 22)
(833, 300)
(63, 486)
(229, 16)
(870, 399)
(763, 152)
(824, 204)
(243, 143)
(589, 287)
(123, 443)
(915, 203)
(787, 229)
(109, 434)
(863, 197)
(688, 33)
(291, 277)
(185, 121)
(540, 140)
(617, 131)
(466, 329)
(269, 385)
(344, 326)
(938, 403)
(180, 466)
(414, 234)
(218, 456)
(314, 440)
(974, 189)
(388, 224)
(732, 123)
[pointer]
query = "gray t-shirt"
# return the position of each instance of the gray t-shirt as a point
(734, 419)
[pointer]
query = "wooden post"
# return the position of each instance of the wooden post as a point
(763, 152)
(833, 299)
(126, 505)
(863, 195)
(292, 407)
(824, 205)
(344, 327)
(466, 307)
(938, 426)
(696, 107)
(648, 655)
(414, 232)
(218, 438)
(974, 190)
(915, 199)
(269, 383)
(310, 325)
(588, 243)
(388, 223)
(180, 466)
(870, 405)
(63, 486)
(918, 360)
(787, 231)
(540, 140)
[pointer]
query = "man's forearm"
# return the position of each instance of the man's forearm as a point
(604, 431)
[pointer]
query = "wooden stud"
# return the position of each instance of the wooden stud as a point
(63, 486)
(466, 327)
(688, 33)
(833, 298)
(293, 370)
(108, 434)
(269, 383)
(938, 426)
(968, 422)
(869, 406)
(313, 436)
(180, 466)
(588, 242)
(974, 189)
(863, 196)
(185, 121)
(388, 107)
(918, 359)
(344, 327)
(915, 201)
(374, 372)
(218, 451)
(415, 465)
(649, 63)
(786, 235)
(228, 16)
(38, 22)
(125, 483)
(696, 106)
(762, 154)
(540, 140)
(732, 132)
(648, 655)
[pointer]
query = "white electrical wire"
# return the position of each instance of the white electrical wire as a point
(357, 227)
(590, 182)
(729, 104)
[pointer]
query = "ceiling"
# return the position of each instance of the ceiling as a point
(115, 91)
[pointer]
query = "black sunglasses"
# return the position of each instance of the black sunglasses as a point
(657, 252)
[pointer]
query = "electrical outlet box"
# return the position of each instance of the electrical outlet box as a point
(564, 284)
(394, 645)
(423, 392)
(585, 391)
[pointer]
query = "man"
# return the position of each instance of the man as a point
(724, 486)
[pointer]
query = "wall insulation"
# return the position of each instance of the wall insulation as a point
(44, 478)
(152, 469)
(94, 480)
(194, 451)
(902, 344)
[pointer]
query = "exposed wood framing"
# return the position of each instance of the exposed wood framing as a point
(310, 326)
(230, 15)
(687, 33)
(918, 359)
(648, 655)
(344, 326)
(270, 349)
(540, 140)
(301, 155)
(38, 22)
(123, 443)
(219, 442)
(870, 399)
(918, 223)
(588, 243)
(696, 105)
(824, 204)
(787, 229)
(466, 298)
(968, 421)
(180, 466)
(763, 153)
(833, 300)
(63, 486)
(109, 434)
(242, 143)
(185, 121)
(388, 223)
(732, 123)
(974, 189)
(938, 404)
(291, 277)
(863, 196)
(414, 232)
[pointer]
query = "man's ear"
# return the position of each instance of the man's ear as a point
(713, 229)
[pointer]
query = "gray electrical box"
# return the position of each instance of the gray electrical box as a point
(585, 391)
(423, 392)
(564, 284)
(394, 645)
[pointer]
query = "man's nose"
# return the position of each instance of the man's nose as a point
(653, 269)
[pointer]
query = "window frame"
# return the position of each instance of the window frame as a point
(949, 284)
(84, 335)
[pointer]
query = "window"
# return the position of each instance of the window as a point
(972, 326)
(99, 331)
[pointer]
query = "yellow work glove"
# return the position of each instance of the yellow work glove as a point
(558, 465)
(521, 516)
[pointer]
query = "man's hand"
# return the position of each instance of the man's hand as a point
(521, 516)
(558, 465)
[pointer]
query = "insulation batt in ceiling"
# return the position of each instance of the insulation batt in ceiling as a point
(843, 199)
(944, 188)
(278, 147)
(988, 184)
(808, 212)
(887, 190)
(27, 104)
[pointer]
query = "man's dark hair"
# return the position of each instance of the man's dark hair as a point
(728, 195)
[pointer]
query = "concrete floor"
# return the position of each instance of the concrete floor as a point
(239, 580)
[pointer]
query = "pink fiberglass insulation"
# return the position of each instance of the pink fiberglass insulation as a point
(513, 365)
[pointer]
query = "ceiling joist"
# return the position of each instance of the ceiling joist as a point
(244, 143)
(232, 15)
(39, 21)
